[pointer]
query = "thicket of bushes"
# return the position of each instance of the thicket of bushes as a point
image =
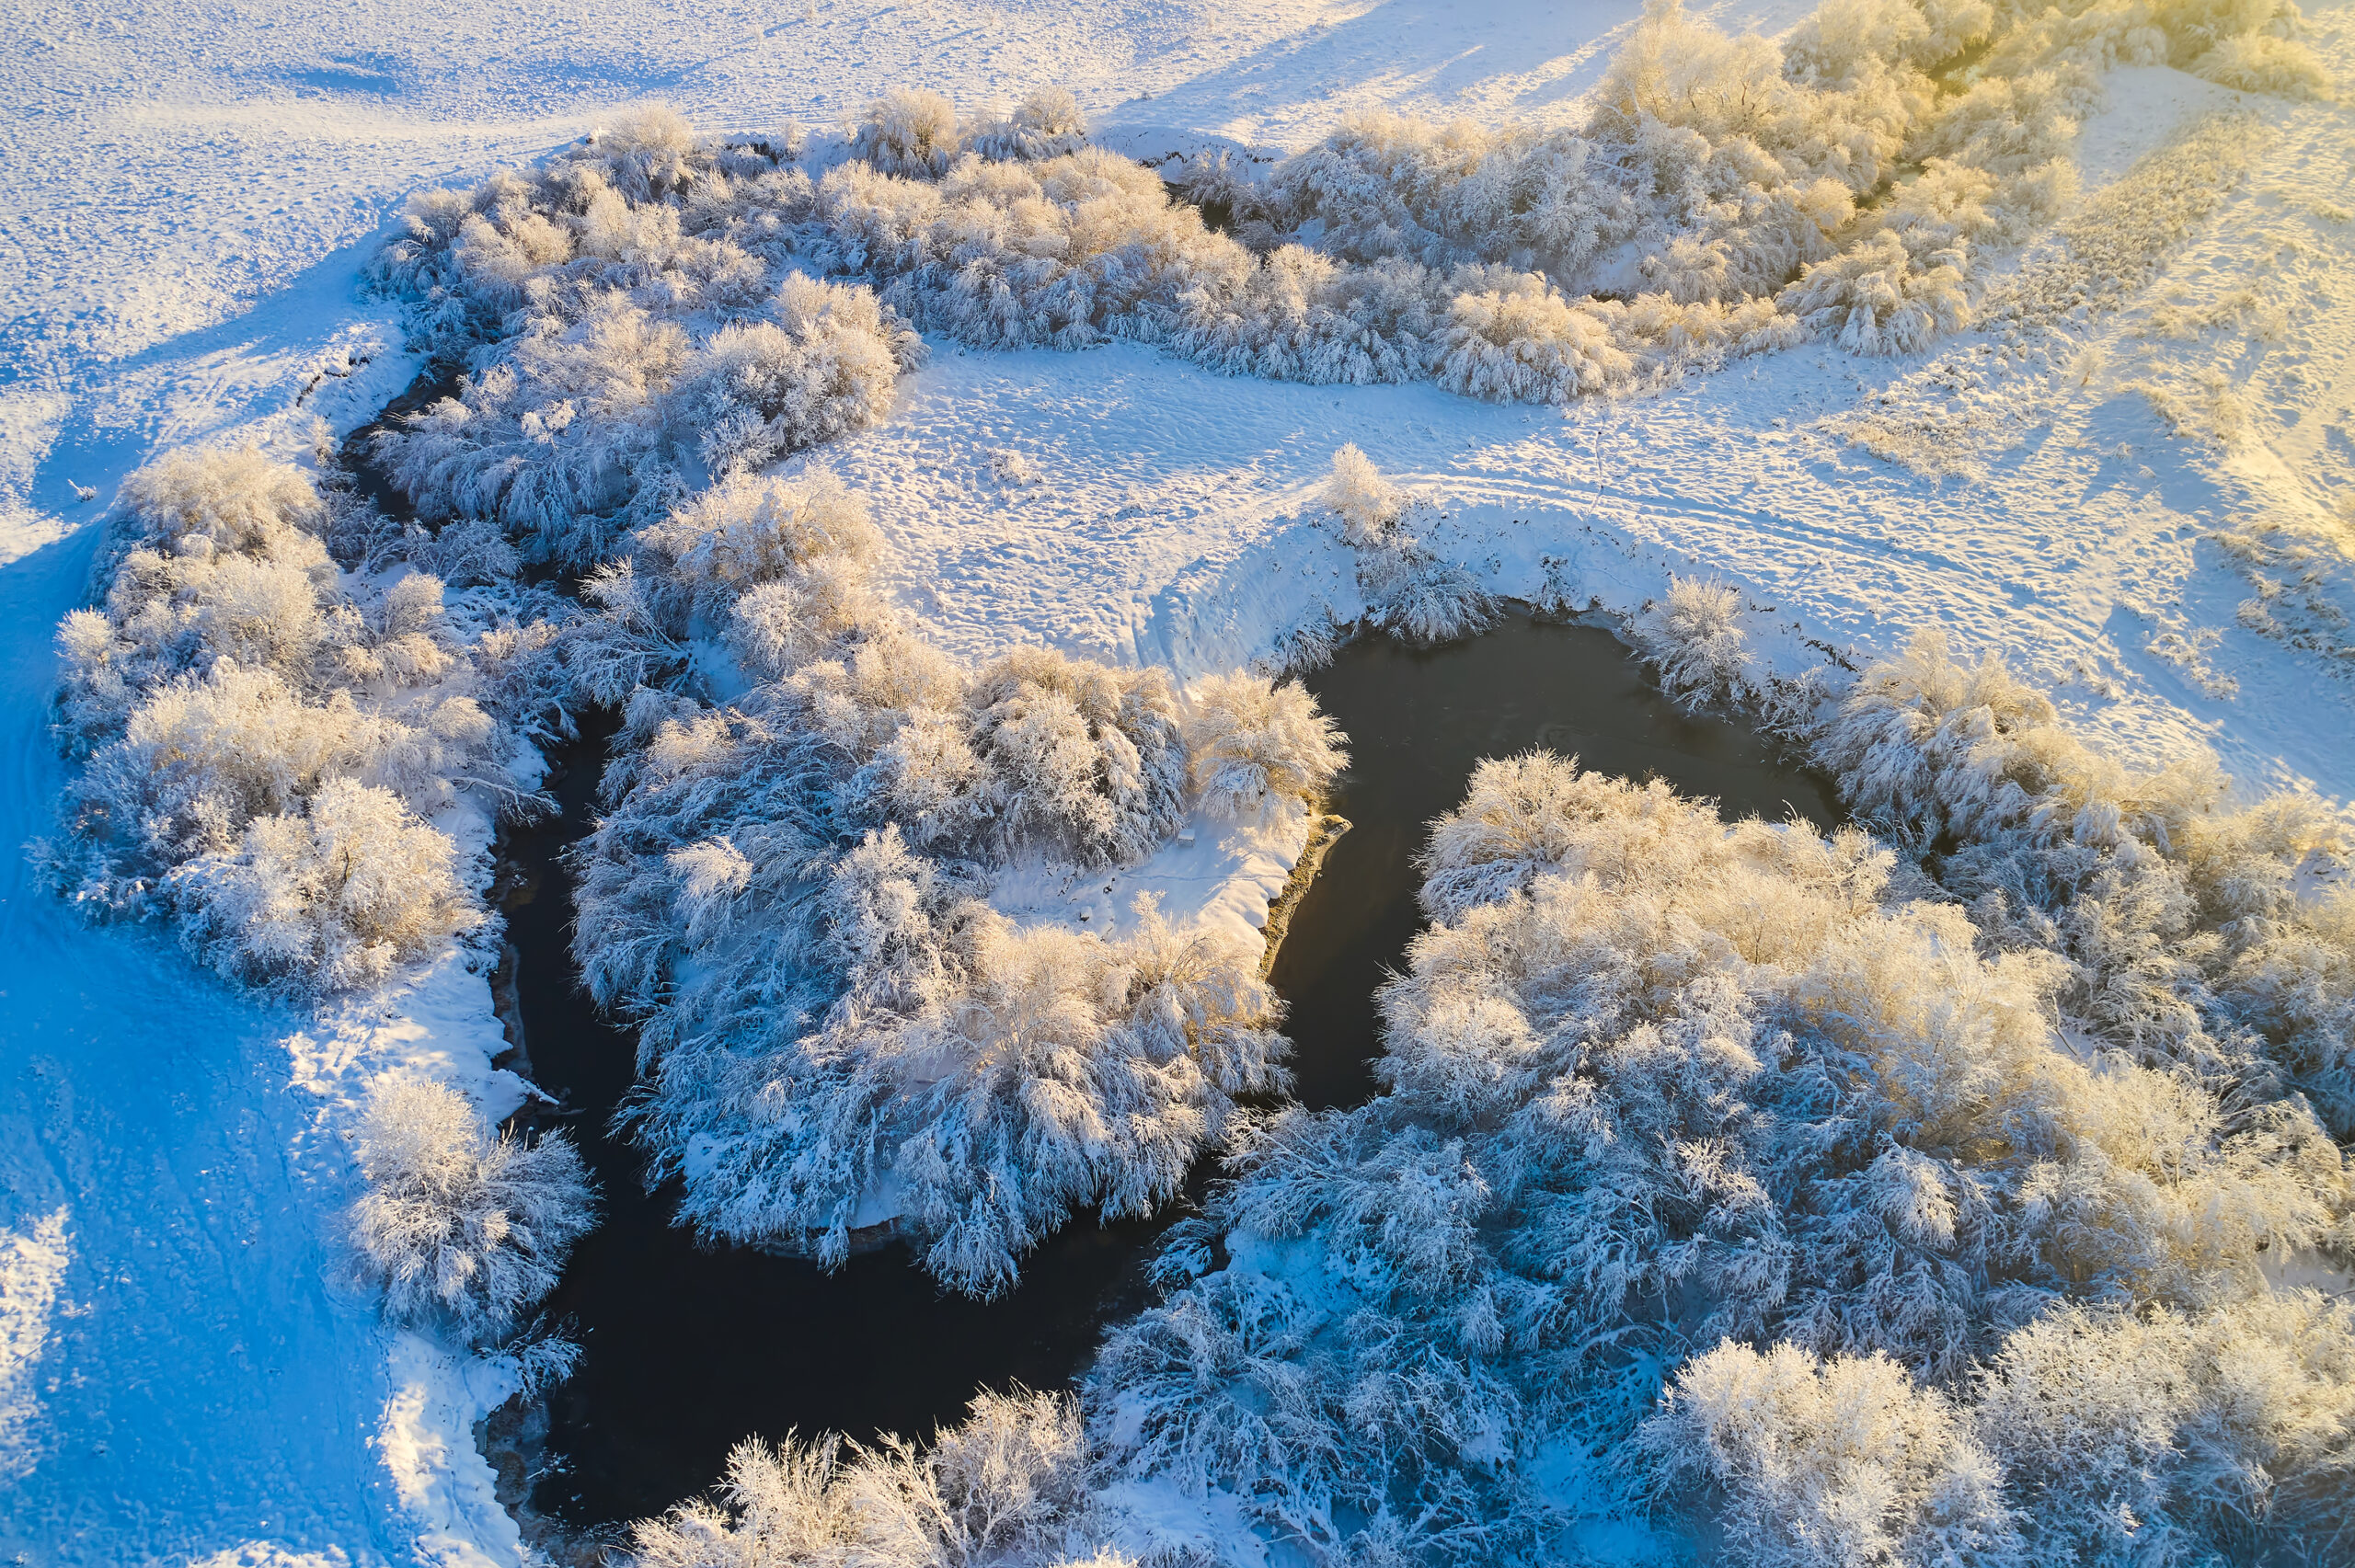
(265, 740)
(629, 322)
(632, 322)
(262, 735)
(787, 896)
(1849, 1203)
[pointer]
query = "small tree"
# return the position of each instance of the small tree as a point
(459, 1225)
(1253, 743)
(1367, 504)
(327, 898)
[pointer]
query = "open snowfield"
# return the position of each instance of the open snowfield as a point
(184, 1375)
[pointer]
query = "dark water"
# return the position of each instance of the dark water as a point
(689, 1350)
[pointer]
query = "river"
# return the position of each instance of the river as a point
(689, 1349)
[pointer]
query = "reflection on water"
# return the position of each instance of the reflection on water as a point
(691, 1349)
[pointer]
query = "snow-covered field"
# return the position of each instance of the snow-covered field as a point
(184, 1375)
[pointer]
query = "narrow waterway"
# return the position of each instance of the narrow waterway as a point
(691, 1349)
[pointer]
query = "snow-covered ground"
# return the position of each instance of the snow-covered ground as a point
(183, 1374)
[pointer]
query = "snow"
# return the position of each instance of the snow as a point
(31, 1263)
(426, 1438)
(185, 1374)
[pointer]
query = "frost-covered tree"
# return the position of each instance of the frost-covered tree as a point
(1367, 504)
(1824, 1464)
(1410, 589)
(1006, 1486)
(330, 896)
(458, 1225)
(1047, 123)
(909, 131)
(1693, 636)
(1254, 744)
(1085, 759)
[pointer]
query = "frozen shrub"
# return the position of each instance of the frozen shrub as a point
(1253, 743)
(330, 896)
(1008, 1486)
(2261, 63)
(1366, 503)
(743, 532)
(2083, 1409)
(1085, 759)
(870, 693)
(647, 150)
(627, 643)
(1221, 186)
(1878, 300)
(196, 503)
(1525, 342)
(1420, 597)
(1823, 1464)
(827, 363)
(213, 557)
(1057, 254)
(1299, 315)
(910, 132)
(2126, 1432)
(576, 427)
(550, 439)
(1843, 39)
(1693, 638)
(459, 1225)
(1520, 817)
(473, 552)
(751, 778)
(1410, 590)
(1045, 125)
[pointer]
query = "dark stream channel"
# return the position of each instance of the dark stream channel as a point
(691, 1349)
